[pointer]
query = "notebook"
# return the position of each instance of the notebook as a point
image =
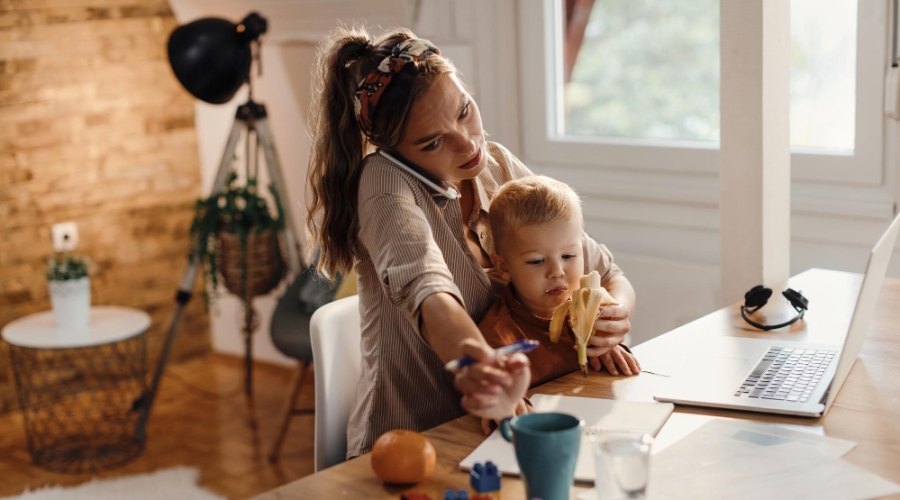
(599, 415)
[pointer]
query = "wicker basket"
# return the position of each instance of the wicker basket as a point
(265, 264)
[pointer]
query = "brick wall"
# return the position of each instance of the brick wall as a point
(94, 128)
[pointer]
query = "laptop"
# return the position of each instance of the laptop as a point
(772, 376)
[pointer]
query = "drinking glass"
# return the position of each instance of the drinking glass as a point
(624, 459)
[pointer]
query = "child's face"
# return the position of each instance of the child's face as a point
(544, 262)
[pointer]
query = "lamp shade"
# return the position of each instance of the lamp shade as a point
(211, 57)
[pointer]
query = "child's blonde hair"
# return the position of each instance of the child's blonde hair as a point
(531, 200)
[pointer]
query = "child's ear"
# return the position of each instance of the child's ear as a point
(501, 266)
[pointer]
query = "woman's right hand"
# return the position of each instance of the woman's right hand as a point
(494, 385)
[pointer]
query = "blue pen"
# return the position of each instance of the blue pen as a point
(524, 345)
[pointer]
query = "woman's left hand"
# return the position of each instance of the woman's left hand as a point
(612, 323)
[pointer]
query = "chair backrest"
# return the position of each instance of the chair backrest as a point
(335, 336)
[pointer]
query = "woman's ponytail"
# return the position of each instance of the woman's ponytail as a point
(338, 148)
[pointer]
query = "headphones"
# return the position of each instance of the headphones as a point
(759, 295)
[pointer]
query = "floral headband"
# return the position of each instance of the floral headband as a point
(370, 89)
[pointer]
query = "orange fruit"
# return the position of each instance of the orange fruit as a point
(403, 456)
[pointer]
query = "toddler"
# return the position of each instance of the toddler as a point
(537, 225)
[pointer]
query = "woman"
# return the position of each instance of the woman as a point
(412, 219)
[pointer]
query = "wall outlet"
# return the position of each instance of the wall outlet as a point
(65, 236)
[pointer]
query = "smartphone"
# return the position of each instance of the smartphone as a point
(420, 173)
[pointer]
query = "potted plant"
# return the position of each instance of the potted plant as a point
(236, 235)
(70, 291)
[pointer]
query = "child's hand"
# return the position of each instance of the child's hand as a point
(617, 360)
(521, 408)
(612, 323)
(492, 387)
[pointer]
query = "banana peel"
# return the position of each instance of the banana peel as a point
(558, 321)
(582, 312)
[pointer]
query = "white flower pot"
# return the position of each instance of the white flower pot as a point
(71, 301)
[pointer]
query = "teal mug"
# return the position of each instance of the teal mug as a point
(546, 448)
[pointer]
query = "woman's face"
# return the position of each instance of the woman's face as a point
(444, 134)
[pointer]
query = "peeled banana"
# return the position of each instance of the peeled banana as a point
(582, 311)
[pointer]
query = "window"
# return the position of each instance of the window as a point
(823, 71)
(635, 83)
(643, 69)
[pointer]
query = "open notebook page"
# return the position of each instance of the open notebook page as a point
(599, 415)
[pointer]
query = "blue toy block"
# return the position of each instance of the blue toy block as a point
(486, 478)
(451, 494)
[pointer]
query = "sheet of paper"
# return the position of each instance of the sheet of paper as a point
(600, 415)
(725, 430)
(791, 470)
(736, 459)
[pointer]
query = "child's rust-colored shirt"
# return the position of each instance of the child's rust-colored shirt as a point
(508, 321)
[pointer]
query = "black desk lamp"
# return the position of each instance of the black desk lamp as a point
(212, 57)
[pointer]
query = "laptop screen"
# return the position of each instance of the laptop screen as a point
(876, 269)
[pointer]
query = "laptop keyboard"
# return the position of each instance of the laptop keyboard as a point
(786, 374)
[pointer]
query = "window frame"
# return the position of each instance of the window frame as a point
(540, 33)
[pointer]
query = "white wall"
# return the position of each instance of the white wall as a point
(476, 36)
(671, 293)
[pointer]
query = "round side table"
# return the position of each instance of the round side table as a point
(79, 395)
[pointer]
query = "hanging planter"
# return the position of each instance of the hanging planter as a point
(70, 293)
(236, 235)
(251, 265)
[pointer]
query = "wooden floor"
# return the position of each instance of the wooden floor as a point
(227, 440)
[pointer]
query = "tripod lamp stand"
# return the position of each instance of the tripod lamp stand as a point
(212, 58)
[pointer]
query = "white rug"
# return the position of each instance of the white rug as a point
(179, 483)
